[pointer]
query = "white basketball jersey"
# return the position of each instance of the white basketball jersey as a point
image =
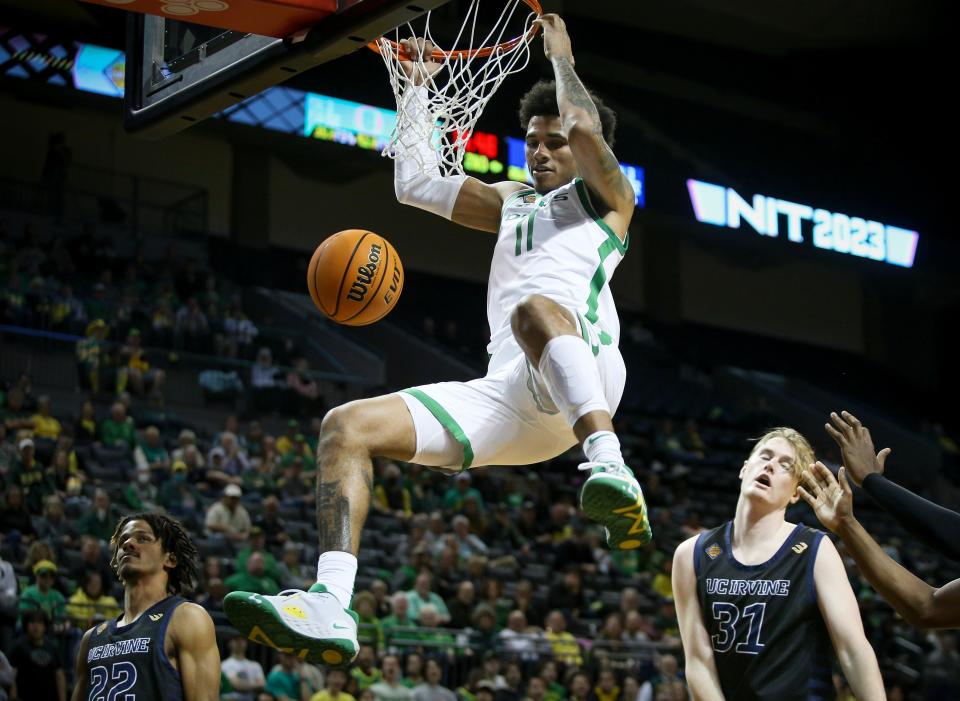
(554, 245)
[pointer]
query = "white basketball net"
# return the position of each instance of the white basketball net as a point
(444, 110)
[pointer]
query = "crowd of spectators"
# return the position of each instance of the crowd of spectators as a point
(484, 584)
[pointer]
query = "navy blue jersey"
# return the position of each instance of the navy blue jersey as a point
(130, 662)
(769, 639)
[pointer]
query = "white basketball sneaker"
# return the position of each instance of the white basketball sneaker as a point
(309, 624)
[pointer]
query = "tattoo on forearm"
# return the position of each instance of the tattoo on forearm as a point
(333, 516)
(570, 89)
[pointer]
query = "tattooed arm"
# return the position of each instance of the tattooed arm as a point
(595, 160)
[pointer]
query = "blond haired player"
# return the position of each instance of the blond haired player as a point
(760, 600)
(555, 374)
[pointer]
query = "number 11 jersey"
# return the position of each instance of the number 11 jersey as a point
(768, 636)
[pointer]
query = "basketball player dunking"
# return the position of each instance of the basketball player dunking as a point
(759, 600)
(162, 648)
(555, 374)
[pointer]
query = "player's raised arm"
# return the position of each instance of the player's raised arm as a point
(838, 605)
(701, 669)
(919, 603)
(417, 179)
(595, 160)
(198, 658)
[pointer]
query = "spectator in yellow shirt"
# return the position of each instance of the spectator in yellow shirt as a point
(566, 649)
(336, 681)
(44, 425)
(89, 604)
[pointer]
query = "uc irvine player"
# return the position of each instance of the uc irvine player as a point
(760, 600)
(555, 374)
(162, 648)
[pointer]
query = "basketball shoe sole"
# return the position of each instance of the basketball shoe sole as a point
(612, 497)
(310, 625)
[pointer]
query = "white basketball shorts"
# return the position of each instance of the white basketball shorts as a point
(506, 417)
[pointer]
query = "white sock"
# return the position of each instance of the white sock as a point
(337, 570)
(570, 373)
(602, 446)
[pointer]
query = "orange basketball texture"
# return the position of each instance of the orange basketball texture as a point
(355, 277)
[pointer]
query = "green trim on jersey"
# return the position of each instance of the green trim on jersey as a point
(447, 421)
(605, 338)
(599, 279)
(585, 201)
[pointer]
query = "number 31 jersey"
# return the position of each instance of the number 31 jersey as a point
(129, 662)
(769, 639)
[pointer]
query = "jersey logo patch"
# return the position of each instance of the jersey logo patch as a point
(527, 199)
(799, 547)
(714, 551)
(156, 617)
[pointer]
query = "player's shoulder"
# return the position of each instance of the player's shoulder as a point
(189, 617)
(683, 555)
(506, 189)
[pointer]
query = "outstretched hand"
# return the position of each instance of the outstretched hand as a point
(831, 500)
(556, 41)
(856, 445)
(421, 65)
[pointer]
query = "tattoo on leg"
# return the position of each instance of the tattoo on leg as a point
(333, 516)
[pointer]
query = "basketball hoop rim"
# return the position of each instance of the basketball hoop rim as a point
(483, 52)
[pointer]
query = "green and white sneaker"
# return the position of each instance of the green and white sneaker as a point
(309, 624)
(612, 497)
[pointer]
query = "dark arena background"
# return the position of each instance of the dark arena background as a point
(793, 254)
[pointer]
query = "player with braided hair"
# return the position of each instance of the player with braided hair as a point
(162, 647)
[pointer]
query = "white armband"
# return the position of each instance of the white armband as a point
(416, 176)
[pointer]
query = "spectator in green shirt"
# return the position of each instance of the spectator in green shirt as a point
(363, 671)
(150, 452)
(118, 431)
(91, 354)
(14, 413)
(29, 475)
(101, 521)
(285, 683)
(370, 629)
(253, 578)
(457, 494)
(400, 618)
(421, 595)
(42, 596)
(259, 478)
(258, 543)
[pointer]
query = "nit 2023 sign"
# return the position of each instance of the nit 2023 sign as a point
(799, 223)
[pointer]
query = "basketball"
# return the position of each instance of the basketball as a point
(355, 277)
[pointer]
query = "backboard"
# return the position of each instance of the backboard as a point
(179, 73)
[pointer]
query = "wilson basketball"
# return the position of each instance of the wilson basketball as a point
(355, 277)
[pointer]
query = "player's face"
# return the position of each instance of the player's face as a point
(139, 551)
(549, 157)
(768, 473)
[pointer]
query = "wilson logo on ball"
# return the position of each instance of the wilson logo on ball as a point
(355, 277)
(365, 273)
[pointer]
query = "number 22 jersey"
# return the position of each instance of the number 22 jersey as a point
(768, 636)
(129, 662)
